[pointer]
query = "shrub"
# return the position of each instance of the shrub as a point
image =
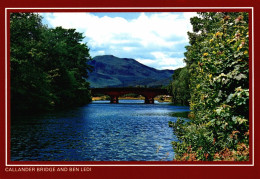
(218, 63)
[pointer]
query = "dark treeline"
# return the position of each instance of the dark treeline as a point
(217, 72)
(48, 66)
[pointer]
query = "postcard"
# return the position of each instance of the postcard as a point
(129, 89)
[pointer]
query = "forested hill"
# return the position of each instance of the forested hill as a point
(111, 71)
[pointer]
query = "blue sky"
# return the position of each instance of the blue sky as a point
(154, 39)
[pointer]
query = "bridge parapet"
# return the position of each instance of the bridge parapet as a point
(114, 93)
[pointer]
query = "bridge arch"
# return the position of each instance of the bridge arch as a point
(114, 93)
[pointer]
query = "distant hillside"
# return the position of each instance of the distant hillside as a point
(111, 71)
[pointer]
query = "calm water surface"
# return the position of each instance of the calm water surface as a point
(129, 131)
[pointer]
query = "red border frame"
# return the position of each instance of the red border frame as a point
(250, 171)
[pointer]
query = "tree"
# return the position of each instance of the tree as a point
(29, 85)
(179, 87)
(48, 66)
(218, 62)
(66, 64)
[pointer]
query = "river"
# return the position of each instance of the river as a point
(99, 131)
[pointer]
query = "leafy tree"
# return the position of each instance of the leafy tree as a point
(179, 87)
(218, 62)
(29, 85)
(48, 66)
(66, 64)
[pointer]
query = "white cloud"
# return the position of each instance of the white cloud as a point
(128, 48)
(167, 62)
(101, 52)
(131, 38)
(147, 61)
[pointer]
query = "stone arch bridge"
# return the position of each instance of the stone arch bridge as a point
(114, 93)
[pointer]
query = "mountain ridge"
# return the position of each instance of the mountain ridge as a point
(111, 71)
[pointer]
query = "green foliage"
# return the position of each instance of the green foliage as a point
(180, 114)
(179, 87)
(218, 63)
(48, 66)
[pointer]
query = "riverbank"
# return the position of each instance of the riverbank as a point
(103, 98)
(158, 98)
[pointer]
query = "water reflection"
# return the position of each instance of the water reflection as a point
(128, 131)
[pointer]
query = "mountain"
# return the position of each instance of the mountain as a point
(111, 71)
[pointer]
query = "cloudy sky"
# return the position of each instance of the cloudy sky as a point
(155, 39)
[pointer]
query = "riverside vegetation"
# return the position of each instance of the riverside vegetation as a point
(217, 74)
(48, 66)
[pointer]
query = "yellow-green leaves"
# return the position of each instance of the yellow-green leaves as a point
(218, 62)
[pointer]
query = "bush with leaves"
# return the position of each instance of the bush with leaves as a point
(218, 62)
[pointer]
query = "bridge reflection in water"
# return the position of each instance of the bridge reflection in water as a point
(114, 93)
